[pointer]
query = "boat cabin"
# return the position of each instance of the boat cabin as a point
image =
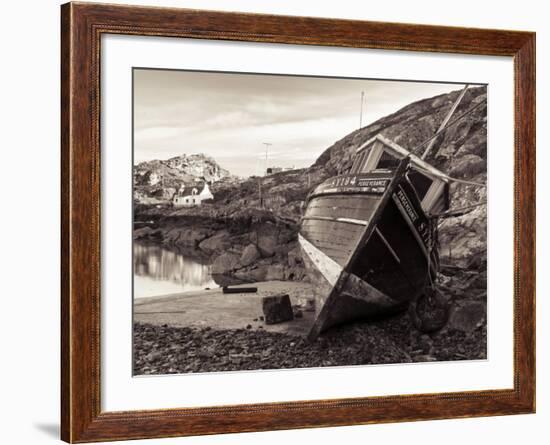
(380, 155)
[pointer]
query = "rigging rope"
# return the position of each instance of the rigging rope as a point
(450, 178)
(454, 121)
(437, 133)
(457, 212)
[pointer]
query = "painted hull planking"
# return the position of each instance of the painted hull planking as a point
(366, 251)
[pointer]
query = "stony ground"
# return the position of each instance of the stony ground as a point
(165, 350)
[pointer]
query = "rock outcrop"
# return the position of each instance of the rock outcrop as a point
(156, 181)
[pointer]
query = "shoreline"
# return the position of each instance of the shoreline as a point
(216, 310)
(208, 331)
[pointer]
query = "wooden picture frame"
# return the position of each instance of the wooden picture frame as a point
(82, 25)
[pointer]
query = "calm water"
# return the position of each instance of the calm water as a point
(158, 271)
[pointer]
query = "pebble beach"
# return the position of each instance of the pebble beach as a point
(173, 343)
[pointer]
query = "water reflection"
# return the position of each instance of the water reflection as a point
(158, 271)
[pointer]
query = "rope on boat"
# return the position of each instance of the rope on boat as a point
(441, 130)
(461, 181)
(460, 211)
(454, 121)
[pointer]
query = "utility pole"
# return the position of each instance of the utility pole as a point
(361, 112)
(267, 145)
(260, 192)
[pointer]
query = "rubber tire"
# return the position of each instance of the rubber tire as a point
(430, 311)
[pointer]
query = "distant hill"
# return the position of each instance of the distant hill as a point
(179, 168)
(159, 179)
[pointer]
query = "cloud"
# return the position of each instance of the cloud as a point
(228, 116)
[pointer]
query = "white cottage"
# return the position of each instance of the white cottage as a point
(194, 199)
(187, 201)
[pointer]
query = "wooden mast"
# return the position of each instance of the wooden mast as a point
(445, 121)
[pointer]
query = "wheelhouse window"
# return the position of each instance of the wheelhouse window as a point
(375, 157)
(420, 182)
(359, 161)
(380, 159)
(381, 156)
(387, 161)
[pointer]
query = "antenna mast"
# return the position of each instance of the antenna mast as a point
(267, 145)
(260, 192)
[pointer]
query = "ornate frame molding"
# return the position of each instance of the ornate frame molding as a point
(82, 25)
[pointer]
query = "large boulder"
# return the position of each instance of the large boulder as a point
(225, 263)
(253, 274)
(250, 255)
(267, 244)
(143, 232)
(220, 242)
(275, 272)
(463, 239)
(294, 256)
(468, 166)
(468, 316)
(475, 145)
(186, 236)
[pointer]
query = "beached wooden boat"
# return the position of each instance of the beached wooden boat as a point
(368, 238)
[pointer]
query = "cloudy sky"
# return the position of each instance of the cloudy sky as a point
(229, 116)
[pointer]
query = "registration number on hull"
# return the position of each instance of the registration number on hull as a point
(354, 183)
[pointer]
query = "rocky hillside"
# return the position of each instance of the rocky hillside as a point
(245, 240)
(418, 121)
(159, 179)
(460, 151)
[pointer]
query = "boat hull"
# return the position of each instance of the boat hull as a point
(367, 250)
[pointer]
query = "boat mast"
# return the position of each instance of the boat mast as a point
(445, 121)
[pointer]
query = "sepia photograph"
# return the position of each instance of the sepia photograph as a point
(285, 221)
